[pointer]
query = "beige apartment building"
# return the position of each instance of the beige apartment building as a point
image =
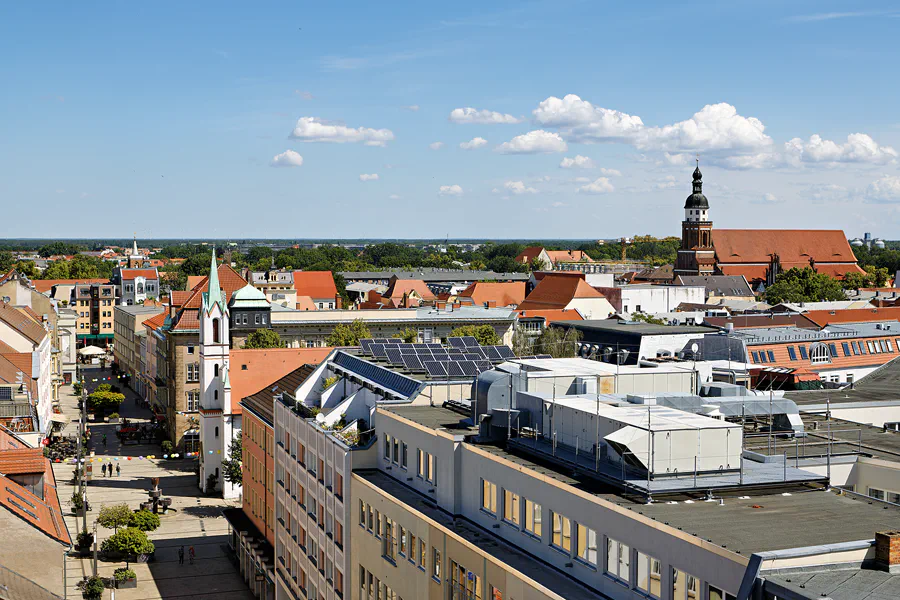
(95, 304)
(128, 330)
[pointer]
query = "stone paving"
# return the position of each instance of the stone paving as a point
(194, 520)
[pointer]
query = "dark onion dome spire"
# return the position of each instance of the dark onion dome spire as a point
(697, 200)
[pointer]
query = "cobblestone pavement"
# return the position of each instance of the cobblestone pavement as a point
(195, 521)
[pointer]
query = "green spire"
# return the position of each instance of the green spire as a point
(214, 291)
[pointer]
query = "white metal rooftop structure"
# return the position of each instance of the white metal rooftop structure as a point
(580, 367)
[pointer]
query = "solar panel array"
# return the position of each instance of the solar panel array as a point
(464, 357)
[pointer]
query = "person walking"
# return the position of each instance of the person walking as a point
(181, 555)
(104, 440)
(191, 553)
(103, 467)
(118, 470)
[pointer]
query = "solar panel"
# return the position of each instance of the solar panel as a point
(394, 357)
(381, 341)
(470, 369)
(473, 355)
(455, 369)
(435, 368)
(457, 342)
(378, 350)
(544, 356)
(435, 346)
(396, 382)
(505, 351)
(366, 345)
(440, 354)
(456, 356)
(395, 345)
(469, 341)
(407, 350)
(483, 365)
(477, 350)
(492, 353)
(406, 346)
(412, 362)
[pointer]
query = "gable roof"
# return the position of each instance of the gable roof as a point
(568, 256)
(791, 245)
(128, 274)
(853, 315)
(45, 285)
(23, 322)
(510, 293)
(556, 290)
(315, 284)
(156, 321)
(250, 370)
(529, 254)
(397, 288)
(262, 402)
(551, 316)
(187, 318)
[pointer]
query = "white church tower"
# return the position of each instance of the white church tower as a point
(217, 423)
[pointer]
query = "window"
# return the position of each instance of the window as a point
(771, 356)
(533, 518)
(256, 319)
(422, 554)
(883, 345)
(388, 548)
(396, 451)
(792, 353)
(803, 353)
(855, 346)
(818, 354)
(215, 331)
(464, 583)
(362, 513)
(684, 586)
(190, 349)
(215, 370)
(562, 531)
(401, 538)
(849, 377)
(871, 347)
(755, 356)
(586, 540)
(511, 512)
(488, 496)
(370, 522)
(889, 345)
(617, 559)
(649, 575)
(436, 564)
(404, 450)
(876, 493)
(846, 348)
(862, 348)
(193, 401)
(387, 446)
(193, 372)
(495, 594)
(717, 594)
(413, 548)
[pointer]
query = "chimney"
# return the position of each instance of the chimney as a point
(441, 305)
(490, 304)
(887, 551)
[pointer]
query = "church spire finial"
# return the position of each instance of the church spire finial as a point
(213, 290)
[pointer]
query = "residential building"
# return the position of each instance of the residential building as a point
(651, 299)
(431, 276)
(152, 372)
(94, 304)
(556, 260)
(249, 310)
(719, 288)
(318, 287)
(759, 255)
(278, 286)
(136, 285)
(130, 334)
(493, 294)
(305, 329)
(403, 293)
(558, 291)
(534, 322)
(31, 517)
(26, 343)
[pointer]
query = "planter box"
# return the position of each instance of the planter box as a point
(78, 512)
(126, 584)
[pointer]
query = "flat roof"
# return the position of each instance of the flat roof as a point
(853, 584)
(433, 417)
(768, 335)
(140, 309)
(434, 275)
(883, 384)
(577, 367)
(562, 584)
(635, 328)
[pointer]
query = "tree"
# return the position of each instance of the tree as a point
(231, 466)
(263, 338)
(640, 317)
(521, 342)
(804, 285)
(485, 334)
(348, 335)
(341, 284)
(58, 269)
(129, 541)
(144, 520)
(537, 264)
(408, 335)
(7, 260)
(873, 277)
(115, 516)
(558, 342)
(105, 401)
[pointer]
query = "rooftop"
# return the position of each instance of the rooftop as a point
(436, 275)
(140, 309)
(425, 313)
(838, 584)
(879, 386)
(634, 327)
(262, 403)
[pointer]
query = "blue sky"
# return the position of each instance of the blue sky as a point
(192, 119)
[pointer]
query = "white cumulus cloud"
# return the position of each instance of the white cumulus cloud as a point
(533, 142)
(714, 127)
(474, 143)
(436, 145)
(471, 115)
(585, 122)
(368, 177)
(611, 172)
(288, 158)
(601, 185)
(450, 190)
(518, 187)
(579, 162)
(859, 148)
(886, 189)
(311, 129)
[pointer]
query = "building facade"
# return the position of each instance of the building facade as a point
(95, 304)
(129, 330)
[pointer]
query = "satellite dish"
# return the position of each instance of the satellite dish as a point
(694, 348)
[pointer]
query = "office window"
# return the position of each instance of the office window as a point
(649, 575)
(422, 554)
(404, 449)
(396, 451)
(684, 586)
(431, 473)
(846, 348)
(401, 538)
(387, 446)
(496, 594)
(388, 547)
(420, 463)
(511, 512)
(771, 356)
(436, 563)
(617, 559)
(718, 594)
(803, 353)
(562, 531)
(876, 493)
(413, 547)
(532, 517)
(488, 496)
(586, 540)
(792, 353)
(362, 513)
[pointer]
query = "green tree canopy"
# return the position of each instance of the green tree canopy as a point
(645, 318)
(115, 516)
(144, 520)
(7, 260)
(105, 401)
(231, 466)
(264, 338)
(557, 342)
(129, 541)
(804, 285)
(348, 335)
(485, 334)
(408, 335)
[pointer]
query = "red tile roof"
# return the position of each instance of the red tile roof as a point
(22, 461)
(156, 321)
(551, 316)
(529, 254)
(557, 290)
(266, 366)
(23, 322)
(568, 256)
(315, 284)
(129, 274)
(13, 363)
(853, 315)
(397, 288)
(791, 245)
(45, 285)
(510, 293)
(188, 317)
(179, 297)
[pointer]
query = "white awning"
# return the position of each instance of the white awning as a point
(91, 351)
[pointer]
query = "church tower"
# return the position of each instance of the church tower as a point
(216, 428)
(696, 255)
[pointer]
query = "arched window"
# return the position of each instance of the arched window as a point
(215, 326)
(215, 370)
(217, 431)
(819, 354)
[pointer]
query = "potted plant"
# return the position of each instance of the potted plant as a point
(129, 543)
(167, 447)
(125, 578)
(83, 542)
(114, 418)
(77, 503)
(211, 482)
(91, 587)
